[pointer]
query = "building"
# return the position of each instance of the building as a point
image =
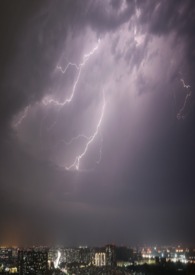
(5, 255)
(110, 255)
(100, 259)
(32, 262)
(124, 256)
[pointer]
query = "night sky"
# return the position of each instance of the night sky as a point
(97, 122)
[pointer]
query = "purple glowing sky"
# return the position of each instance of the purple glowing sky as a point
(97, 122)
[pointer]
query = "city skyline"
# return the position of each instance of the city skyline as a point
(101, 260)
(97, 122)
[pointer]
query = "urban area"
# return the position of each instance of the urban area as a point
(109, 259)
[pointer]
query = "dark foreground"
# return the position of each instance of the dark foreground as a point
(155, 269)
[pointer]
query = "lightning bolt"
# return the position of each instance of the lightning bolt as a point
(184, 85)
(77, 138)
(182, 111)
(21, 117)
(86, 57)
(49, 100)
(76, 164)
(100, 152)
(56, 262)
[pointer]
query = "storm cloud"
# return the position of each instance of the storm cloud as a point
(135, 179)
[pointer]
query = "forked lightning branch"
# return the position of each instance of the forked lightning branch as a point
(59, 104)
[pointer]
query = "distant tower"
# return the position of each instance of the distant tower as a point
(110, 255)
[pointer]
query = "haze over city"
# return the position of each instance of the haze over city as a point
(97, 122)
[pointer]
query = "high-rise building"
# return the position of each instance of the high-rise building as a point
(32, 262)
(5, 255)
(100, 259)
(110, 255)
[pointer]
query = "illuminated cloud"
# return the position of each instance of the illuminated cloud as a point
(95, 88)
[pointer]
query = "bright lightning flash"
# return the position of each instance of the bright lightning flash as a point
(76, 163)
(56, 262)
(86, 57)
(182, 111)
(51, 100)
(89, 139)
(184, 85)
(77, 138)
(21, 117)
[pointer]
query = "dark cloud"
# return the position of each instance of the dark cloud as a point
(136, 182)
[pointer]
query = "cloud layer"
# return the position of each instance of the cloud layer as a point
(135, 181)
